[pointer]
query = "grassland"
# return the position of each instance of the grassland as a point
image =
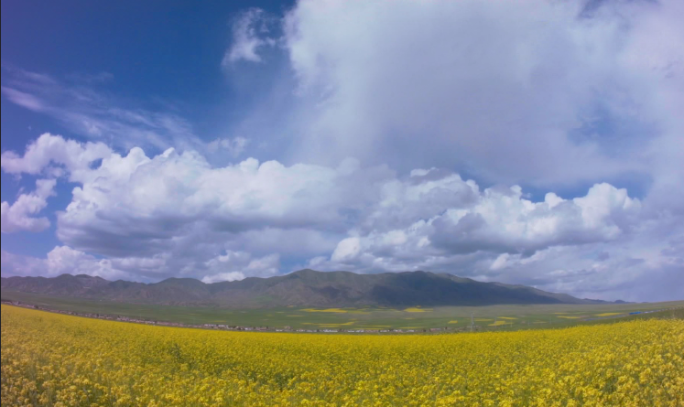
(57, 360)
(499, 317)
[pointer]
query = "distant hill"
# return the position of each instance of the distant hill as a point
(305, 288)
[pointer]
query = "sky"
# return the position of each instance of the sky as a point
(535, 142)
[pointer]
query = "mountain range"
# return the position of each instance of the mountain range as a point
(304, 288)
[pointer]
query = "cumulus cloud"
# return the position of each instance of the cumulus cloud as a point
(175, 214)
(60, 260)
(17, 217)
(504, 221)
(497, 221)
(51, 154)
(133, 207)
(647, 266)
(175, 194)
(347, 249)
(233, 266)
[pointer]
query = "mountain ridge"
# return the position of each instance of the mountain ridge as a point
(303, 288)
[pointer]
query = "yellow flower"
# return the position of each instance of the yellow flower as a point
(58, 360)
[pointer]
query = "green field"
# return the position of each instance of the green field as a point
(496, 317)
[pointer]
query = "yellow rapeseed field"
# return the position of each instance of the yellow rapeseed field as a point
(56, 360)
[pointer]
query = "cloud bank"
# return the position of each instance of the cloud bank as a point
(174, 214)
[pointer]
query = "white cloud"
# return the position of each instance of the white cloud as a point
(49, 151)
(507, 91)
(134, 203)
(23, 99)
(494, 224)
(500, 262)
(175, 205)
(220, 277)
(234, 146)
(175, 215)
(250, 33)
(17, 217)
(348, 249)
(61, 260)
(182, 191)
(87, 111)
(645, 267)
(233, 266)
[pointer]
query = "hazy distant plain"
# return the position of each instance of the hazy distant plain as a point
(495, 317)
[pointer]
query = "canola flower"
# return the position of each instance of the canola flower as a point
(416, 309)
(333, 310)
(57, 360)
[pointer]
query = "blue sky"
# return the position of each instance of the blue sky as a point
(537, 142)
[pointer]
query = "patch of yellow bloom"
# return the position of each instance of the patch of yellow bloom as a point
(58, 360)
(332, 310)
(337, 325)
(609, 314)
(415, 309)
